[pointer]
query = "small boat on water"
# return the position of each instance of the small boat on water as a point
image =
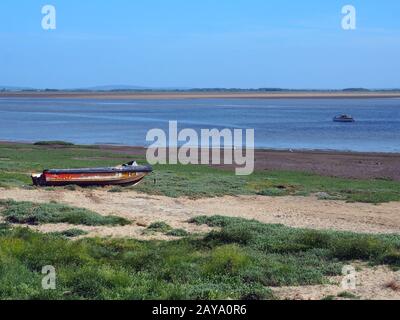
(127, 174)
(343, 118)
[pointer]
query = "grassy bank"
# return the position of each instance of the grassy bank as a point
(241, 260)
(18, 161)
(35, 214)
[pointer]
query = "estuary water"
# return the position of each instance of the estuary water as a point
(278, 124)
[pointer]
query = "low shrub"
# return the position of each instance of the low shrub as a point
(159, 226)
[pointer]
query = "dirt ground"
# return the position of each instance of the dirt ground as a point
(372, 283)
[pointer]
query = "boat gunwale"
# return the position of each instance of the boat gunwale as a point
(100, 170)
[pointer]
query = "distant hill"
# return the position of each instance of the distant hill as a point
(113, 87)
(356, 90)
(130, 88)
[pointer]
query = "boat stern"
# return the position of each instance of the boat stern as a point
(38, 179)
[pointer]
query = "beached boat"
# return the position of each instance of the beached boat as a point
(343, 118)
(127, 174)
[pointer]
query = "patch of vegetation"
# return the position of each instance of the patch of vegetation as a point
(34, 214)
(230, 258)
(4, 227)
(120, 269)
(347, 295)
(329, 298)
(278, 239)
(53, 143)
(226, 264)
(116, 190)
(71, 233)
(11, 180)
(272, 192)
(202, 181)
(71, 187)
(159, 226)
(177, 233)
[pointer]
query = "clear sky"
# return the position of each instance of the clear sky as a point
(200, 43)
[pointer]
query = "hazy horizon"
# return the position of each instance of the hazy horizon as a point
(139, 88)
(182, 44)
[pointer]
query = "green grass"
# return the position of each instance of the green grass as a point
(24, 159)
(348, 295)
(165, 228)
(177, 233)
(18, 161)
(202, 181)
(34, 214)
(239, 261)
(339, 246)
(71, 233)
(329, 298)
(159, 226)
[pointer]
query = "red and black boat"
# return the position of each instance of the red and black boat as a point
(127, 174)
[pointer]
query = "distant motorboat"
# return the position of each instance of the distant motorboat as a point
(343, 118)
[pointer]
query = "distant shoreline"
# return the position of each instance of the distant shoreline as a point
(118, 146)
(201, 95)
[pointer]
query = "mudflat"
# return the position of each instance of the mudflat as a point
(355, 165)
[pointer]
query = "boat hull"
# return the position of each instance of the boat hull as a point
(92, 177)
(347, 120)
(82, 180)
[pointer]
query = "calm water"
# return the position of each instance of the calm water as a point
(280, 124)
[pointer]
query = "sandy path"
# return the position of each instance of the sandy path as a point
(377, 283)
(308, 212)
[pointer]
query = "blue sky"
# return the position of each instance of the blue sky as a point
(202, 43)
